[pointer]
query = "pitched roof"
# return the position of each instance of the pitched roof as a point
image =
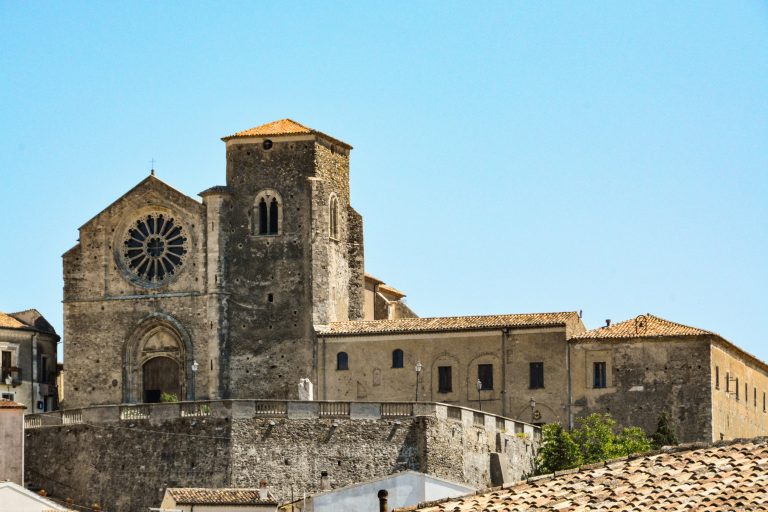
(210, 496)
(282, 127)
(725, 476)
(448, 323)
(642, 326)
(9, 322)
(28, 320)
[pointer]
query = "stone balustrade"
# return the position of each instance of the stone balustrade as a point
(290, 409)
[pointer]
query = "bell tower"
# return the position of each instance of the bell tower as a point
(293, 255)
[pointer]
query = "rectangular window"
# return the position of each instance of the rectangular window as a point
(717, 377)
(537, 376)
(485, 376)
(6, 364)
(8, 396)
(43, 377)
(599, 375)
(444, 380)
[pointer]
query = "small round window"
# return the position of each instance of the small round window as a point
(153, 249)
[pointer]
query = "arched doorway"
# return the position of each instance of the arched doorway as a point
(160, 375)
(158, 359)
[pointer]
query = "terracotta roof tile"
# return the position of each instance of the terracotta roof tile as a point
(279, 128)
(448, 323)
(210, 496)
(9, 322)
(726, 476)
(8, 404)
(642, 326)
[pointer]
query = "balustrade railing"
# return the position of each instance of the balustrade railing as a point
(33, 421)
(195, 410)
(334, 409)
(271, 409)
(74, 417)
(279, 409)
(135, 412)
(396, 409)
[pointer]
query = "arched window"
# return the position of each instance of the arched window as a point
(342, 361)
(267, 213)
(397, 358)
(333, 215)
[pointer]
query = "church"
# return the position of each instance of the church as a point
(262, 282)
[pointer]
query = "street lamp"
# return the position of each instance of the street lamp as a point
(532, 404)
(418, 369)
(479, 385)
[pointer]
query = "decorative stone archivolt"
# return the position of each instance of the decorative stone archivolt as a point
(152, 248)
(157, 336)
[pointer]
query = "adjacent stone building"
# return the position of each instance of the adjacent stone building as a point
(28, 360)
(262, 282)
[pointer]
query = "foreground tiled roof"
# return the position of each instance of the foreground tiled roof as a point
(8, 404)
(282, 127)
(206, 496)
(642, 326)
(448, 323)
(9, 322)
(725, 476)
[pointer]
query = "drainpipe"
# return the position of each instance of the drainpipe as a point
(570, 385)
(504, 336)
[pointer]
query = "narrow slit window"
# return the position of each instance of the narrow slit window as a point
(717, 377)
(727, 382)
(263, 217)
(333, 214)
(273, 214)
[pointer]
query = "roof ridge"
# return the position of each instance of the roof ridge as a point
(456, 316)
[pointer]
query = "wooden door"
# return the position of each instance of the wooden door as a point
(161, 375)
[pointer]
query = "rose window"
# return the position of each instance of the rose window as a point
(154, 248)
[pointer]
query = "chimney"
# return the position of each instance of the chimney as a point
(607, 322)
(263, 491)
(382, 495)
(325, 481)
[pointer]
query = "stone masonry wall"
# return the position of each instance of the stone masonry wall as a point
(125, 465)
(292, 453)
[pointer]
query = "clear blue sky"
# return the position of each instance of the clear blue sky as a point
(509, 157)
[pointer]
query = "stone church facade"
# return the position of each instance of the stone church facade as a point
(262, 282)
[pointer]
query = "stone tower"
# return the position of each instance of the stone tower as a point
(294, 255)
